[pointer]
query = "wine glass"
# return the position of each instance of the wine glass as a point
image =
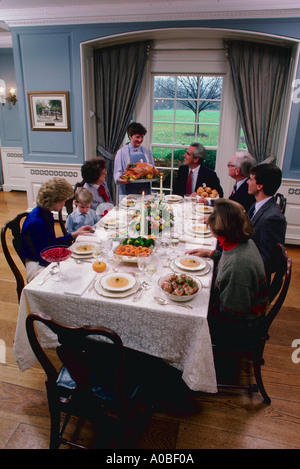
(56, 254)
(107, 245)
(165, 246)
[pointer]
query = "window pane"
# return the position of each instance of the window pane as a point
(242, 143)
(163, 110)
(164, 87)
(162, 157)
(208, 135)
(162, 133)
(186, 109)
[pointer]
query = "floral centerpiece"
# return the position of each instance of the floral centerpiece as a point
(158, 218)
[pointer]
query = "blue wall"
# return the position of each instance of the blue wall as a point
(10, 129)
(48, 59)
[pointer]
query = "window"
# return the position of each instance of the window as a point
(186, 109)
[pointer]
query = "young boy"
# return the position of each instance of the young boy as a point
(83, 214)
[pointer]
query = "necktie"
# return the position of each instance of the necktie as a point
(234, 189)
(251, 211)
(189, 183)
(102, 192)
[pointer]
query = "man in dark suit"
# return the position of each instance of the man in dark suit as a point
(239, 169)
(193, 174)
(268, 221)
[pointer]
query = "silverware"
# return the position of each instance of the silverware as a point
(162, 301)
(90, 288)
(80, 261)
(53, 271)
(143, 286)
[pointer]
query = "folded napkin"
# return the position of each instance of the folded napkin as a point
(90, 238)
(195, 240)
(78, 278)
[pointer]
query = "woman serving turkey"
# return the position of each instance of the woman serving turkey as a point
(133, 152)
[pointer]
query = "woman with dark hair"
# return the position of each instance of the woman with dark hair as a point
(93, 173)
(239, 296)
(131, 153)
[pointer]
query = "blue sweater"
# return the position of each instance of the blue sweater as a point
(38, 233)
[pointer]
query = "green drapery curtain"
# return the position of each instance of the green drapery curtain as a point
(259, 73)
(118, 72)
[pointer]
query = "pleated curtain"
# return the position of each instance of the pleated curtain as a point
(118, 72)
(259, 73)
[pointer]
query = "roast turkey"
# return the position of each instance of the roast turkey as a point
(139, 171)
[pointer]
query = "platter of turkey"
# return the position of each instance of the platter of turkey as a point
(139, 172)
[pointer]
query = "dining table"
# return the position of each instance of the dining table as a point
(173, 332)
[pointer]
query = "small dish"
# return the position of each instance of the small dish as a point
(84, 248)
(118, 282)
(192, 263)
(173, 198)
(199, 228)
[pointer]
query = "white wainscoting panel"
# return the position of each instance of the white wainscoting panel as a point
(13, 169)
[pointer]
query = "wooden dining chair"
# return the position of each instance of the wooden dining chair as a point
(95, 380)
(281, 200)
(14, 227)
(253, 348)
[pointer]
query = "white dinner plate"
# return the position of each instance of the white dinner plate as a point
(203, 209)
(199, 228)
(112, 294)
(197, 235)
(122, 276)
(80, 249)
(199, 262)
(173, 198)
(197, 273)
(128, 202)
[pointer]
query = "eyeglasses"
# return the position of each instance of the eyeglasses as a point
(231, 166)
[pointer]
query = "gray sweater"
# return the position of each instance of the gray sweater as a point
(240, 293)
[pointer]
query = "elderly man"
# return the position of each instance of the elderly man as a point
(239, 169)
(193, 174)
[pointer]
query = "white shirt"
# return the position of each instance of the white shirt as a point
(258, 205)
(195, 172)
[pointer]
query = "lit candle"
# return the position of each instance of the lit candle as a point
(161, 186)
(143, 215)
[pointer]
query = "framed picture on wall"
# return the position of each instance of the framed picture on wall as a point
(49, 110)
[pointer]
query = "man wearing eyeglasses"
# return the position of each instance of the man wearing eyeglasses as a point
(239, 169)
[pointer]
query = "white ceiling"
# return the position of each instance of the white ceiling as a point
(45, 12)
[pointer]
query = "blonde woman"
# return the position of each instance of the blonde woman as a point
(38, 228)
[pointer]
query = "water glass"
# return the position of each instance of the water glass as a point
(143, 261)
(97, 251)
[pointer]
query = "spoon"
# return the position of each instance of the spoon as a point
(53, 270)
(162, 301)
(143, 286)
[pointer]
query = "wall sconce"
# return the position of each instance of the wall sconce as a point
(12, 97)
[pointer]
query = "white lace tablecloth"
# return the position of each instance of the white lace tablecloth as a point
(178, 335)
